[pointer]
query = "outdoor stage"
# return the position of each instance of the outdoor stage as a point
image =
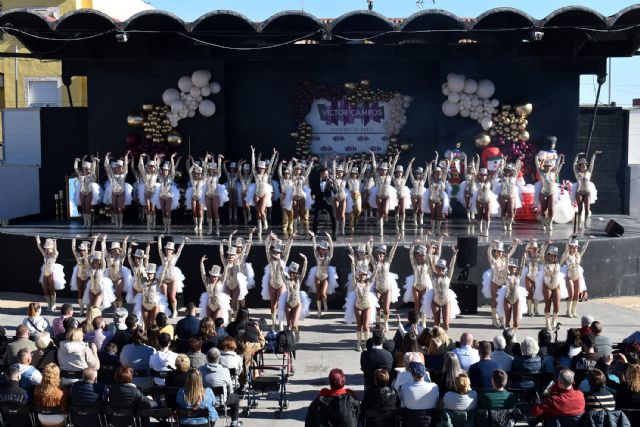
(611, 264)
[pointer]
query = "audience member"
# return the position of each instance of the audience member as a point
(587, 360)
(153, 335)
(228, 356)
(440, 342)
(380, 403)
(29, 375)
(164, 325)
(194, 396)
(424, 340)
(178, 376)
(466, 354)
(451, 370)
(195, 354)
(69, 323)
(136, 356)
(601, 344)
(563, 400)
(628, 391)
(34, 320)
(99, 336)
(221, 332)
(87, 392)
(109, 363)
(124, 337)
(585, 324)
(236, 328)
(119, 317)
(207, 334)
(418, 394)
(334, 406)
(251, 341)
(480, 373)
(463, 398)
(75, 355)
(375, 358)
(124, 394)
(504, 360)
(409, 343)
(46, 351)
(574, 347)
(189, 325)
(405, 376)
(513, 346)
(57, 326)
(544, 343)
(49, 394)
(21, 341)
(527, 363)
(498, 398)
(598, 397)
(411, 326)
(87, 323)
(634, 338)
(10, 390)
(216, 375)
(557, 361)
(163, 360)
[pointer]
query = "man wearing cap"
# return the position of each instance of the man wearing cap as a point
(418, 395)
(322, 193)
(119, 316)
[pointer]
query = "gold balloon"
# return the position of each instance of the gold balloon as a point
(135, 120)
(482, 140)
(524, 109)
(148, 136)
(524, 136)
(405, 147)
(147, 108)
(350, 86)
(365, 83)
(393, 140)
(174, 139)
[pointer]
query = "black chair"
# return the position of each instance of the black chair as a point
(71, 375)
(122, 417)
(164, 415)
(567, 421)
(234, 379)
(374, 418)
(162, 393)
(39, 410)
(86, 416)
(418, 417)
(106, 373)
(497, 418)
(193, 413)
(15, 414)
(525, 394)
(633, 415)
(162, 375)
(221, 404)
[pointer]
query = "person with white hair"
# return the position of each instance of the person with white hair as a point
(527, 362)
(323, 278)
(574, 273)
(550, 284)
(87, 191)
(293, 305)
(498, 355)
(119, 316)
(441, 303)
(173, 278)
(51, 273)
(117, 192)
(149, 187)
(169, 196)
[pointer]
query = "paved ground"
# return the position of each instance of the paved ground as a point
(327, 343)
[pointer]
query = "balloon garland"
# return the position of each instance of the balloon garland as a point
(356, 93)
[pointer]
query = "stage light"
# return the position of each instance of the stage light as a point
(536, 34)
(122, 37)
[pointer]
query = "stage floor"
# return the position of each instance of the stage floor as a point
(453, 228)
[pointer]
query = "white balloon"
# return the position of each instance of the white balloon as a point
(495, 102)
(194, 92)
(191, 113)
(199, 98)
(185, 84)
(207, 108)
(170, 95)
(466, 104)
(176, 106)
(486, 88)
(486, 123)
(473, 115)
(450, 109)
(200, 78)
(476, 102)
(205, 91)
(464, 112)
(470, 86)
(406, 105)
(455, 82)
(215, 88)
(408, 98)
(454, 97)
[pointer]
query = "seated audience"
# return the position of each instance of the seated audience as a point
(498, 355)
(194, 396)
(87, 324)
(57, 326)
(216, 375)
(573, 342)
(164, 359)
(220, 329)
(75, 355)
(408, 343)
(87, 392)
(109, 363)
(136, 356)
(99, 336)
(463, 399)
(228, 356)
(189, 325)
(466, 354)
(628, 391)
(124, 394)
(119, 317)
(450, 371)
(207, 334)
(563, 400)
(178, 376)
(440, 342)
(380, 403)
(34, 320)
(557, 361)
(164, 325)
(124, 337)
(527, 363)
(513, 346)
(585, 324)
(21, 341)
(195, 354)
(10, 390)
(375, 358)
(405, 376)
(587, 360)
(598, 397)
(335, 406)
(545, 343)
(48, 394)
(418, 394)
(30, 377)
(601, 344)
(46, 352)
(480, 373)
(498, 398)
(68, 324)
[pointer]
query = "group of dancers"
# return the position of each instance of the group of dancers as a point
(357, 188)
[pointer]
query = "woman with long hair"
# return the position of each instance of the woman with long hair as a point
(451, 370)
(574, 273)
(51, 273)
(508, 191)
(87, 323)
(120, 275)
(117, 191)
(172, 276)
(216, 194)
(361, 302)
(400, 178)
(273, 279)
(494, 277)
(214, 302)
(550, 284)
(468, 188)
(80, 275)
(583, 192)
(386, 284)
(34, 320)
(87, 191)
(150, 300)
(441, 302)
(149, 189)
(383, 196)
(194, 396)
(419, 282)
(49, 394)
(260, 192)
(323, 278)
(547, 187)
(293, 305)
(169, 195)
(530, 274)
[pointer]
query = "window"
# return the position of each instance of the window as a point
(43, 92)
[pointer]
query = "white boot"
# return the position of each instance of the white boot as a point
(510, 224)
(296, 334)
(469, 216)
(359, 342)
(574, 309)
(280, 326)
(319, 306)
(381, 226)
(530, 310)
(209, 224)
(402, 219)
(266, 224)
(273, 321)
(397, 216)
(421, 219)
(554, 320)
(547, 321)
(81, 305)
(535, 307)
(259, 227)
(504, 223)
(386, 322)
(53, 302)
(569, 302)
(168, 220)
(324, 305)
(494, 318)
(423, 317)
(148, 222)
(433, 226)
(486, 230)
(217, 227)
(415, 220)
(551, 224)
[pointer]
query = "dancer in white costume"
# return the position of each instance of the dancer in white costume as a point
(80, 274)
(173, 278)
(583, 192)
(301, 194)
(150, 301)
(87, 191)
(550, 284)
(468, 188)
(494, 277)
(118, 193)
(233, 189)
(169, 196)
(244, 182)
(486, 201)
(419, 282)
(530, 274)
(216, 194)
(323, 278)
(386, 284)
(214, 302)
(361, 302)
(293, 305)
(195, 195)
(243, 249)
(51, 273)
(438, 196)
(508, 191)
(274, 273)
(383, 195)
(549, 171)
(342, 200)
(116, 271)
(368, 184)
(150, 190)
(362, 256)
(574, 273)
(260, 192)
(511, 295)
(404, 194)
(233, 279)
(138, 262)
(286, 195)
(418, 193)
(99, 293)
(440, 302)
(354, 186)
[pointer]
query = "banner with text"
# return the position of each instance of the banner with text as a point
(339, 128)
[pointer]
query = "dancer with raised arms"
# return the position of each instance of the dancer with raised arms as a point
(469, 187)
(547, 187)
(173, 278)
(530, 274)
(149, 190)
(361, 302)
(404, 194)
(386, 284)
(550, 284)
(117, 191)
(259, 193)
(195, 194)
(511, 295)
(383, 195)
(438, 197)
(138, 262)
(323, 278)
(574, 273)
(81, 273)
(150, 301)
(87, 191)
(583, 191)
(440, 302)
(273, 279)
(233, 280)
(51, 273)
(494, 277)
(214, 302)
(169, 196)
(509, 192)
(116, 271)
(216, 194)
(293, 305)
(419, 282)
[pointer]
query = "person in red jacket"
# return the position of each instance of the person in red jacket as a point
(563, 399)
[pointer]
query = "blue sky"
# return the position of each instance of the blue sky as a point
(624, 71)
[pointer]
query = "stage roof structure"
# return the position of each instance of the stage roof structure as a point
(569, 32)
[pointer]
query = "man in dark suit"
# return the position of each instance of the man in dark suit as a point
(322, 192)
(375, 358)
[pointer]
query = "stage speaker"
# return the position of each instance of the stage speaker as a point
(467, 293)
(467, 252)
(614, 229)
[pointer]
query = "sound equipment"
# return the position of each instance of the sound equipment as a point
(467, 293)
(614, 229)
(467, 252)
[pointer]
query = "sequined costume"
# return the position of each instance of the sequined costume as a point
(322, 270)
(441, 294)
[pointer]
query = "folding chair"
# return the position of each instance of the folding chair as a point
(193, 413)
(38, 410)
(16, 414)
(86, 416)
(162, 414)
(221, 404)
(122, 416)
